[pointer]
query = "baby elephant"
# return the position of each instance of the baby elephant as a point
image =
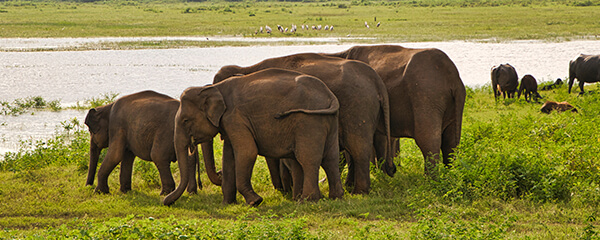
(554, 85)
(549, 106)
(529, 88)
(141, 125)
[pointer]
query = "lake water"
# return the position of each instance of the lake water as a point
(72, 76)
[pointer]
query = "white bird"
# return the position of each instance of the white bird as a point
(331, 28)
(378, 24)
(366, 25)
(268, 29)
(302, 26)
(280, 28)
(319, 27)
(326, 27)
(261, 29)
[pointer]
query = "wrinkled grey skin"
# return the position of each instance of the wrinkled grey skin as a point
(529, 88)
(140, 124)
(364, 110)
(504, 81)
(274, 113)
(426, 96)
(586, 68)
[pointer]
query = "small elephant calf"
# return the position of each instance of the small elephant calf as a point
(549, 106)
(142, 125)
(529, 88)
(554, 85)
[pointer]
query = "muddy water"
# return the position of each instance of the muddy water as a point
(73, 76)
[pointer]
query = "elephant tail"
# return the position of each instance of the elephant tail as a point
(459, 94)
(389, 168)
(334, 106)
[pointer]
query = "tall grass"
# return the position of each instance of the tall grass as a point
(518, 173)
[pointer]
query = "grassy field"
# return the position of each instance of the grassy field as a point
(518, 174)
(426, 20)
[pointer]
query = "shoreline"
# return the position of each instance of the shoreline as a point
(174, 42)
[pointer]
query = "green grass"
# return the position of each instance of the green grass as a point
(426, 20)
(518, 174)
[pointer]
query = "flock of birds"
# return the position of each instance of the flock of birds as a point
(294, 28)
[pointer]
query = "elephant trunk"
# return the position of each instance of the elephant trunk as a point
(209, 163)
(94, 156)
(182, 147)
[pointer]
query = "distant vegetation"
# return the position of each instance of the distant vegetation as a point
(415, 20)
(518, 174)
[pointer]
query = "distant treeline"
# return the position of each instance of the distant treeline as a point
(412, 3)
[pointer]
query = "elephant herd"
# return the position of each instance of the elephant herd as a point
(299, 112)
(584, 68)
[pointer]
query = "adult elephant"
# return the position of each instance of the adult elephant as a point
(426, 95)
(586, 68)
(274, 113)
(140, 124)
(504, 80)
(364, 109)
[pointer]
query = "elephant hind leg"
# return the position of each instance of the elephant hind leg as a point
(361, 153)
(330, 164)
(310, 164)
(126, 171)
(430, 143)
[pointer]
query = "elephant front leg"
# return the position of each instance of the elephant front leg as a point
(228, 184)
(166, 177)
(244, 164)
(93, 164)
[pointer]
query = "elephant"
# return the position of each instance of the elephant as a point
(586, 68)
(364, 110)
(504, 80)
(426, 96)
(550, 106)
(142, 125)
(275, 113)
(529, 88)
(554, 85)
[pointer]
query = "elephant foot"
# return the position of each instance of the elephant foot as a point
(166, 192)
(255, 202)
(101, 190)
(360, 191)
(227, 202)
(125, 190)
(389, 170)
(312, 197)
(192, 190)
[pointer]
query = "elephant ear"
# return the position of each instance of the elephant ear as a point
(92, 120)
(214, 105)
